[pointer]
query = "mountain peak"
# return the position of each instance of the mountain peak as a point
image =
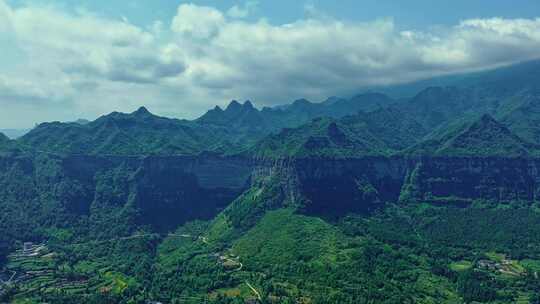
(218, 109)
(248, 104)
(486, 118)
(332, 100)
(233, 105)
(82, 121)
(487, 123)
(335, 133)
(484, 137)
(142, 111)
(301, 103)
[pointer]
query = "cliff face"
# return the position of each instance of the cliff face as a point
(462, 180)
(337, 187)
(161, 192)
(164, 192)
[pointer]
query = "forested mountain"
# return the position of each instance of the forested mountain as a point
(378, 133)
(483, 137)
(323, 137)
(503, 80)
(222, 131)
(397, 129)
(268, 120)
(369, 199)
(137, 133)
(522, 116)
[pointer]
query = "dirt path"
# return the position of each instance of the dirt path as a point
(254, 291)
(234, 262)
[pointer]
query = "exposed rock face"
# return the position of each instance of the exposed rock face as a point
(164, 192)
(336, 187)
(463, 180)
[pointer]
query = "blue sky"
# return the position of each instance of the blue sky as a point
(64, 60)
(408, 13)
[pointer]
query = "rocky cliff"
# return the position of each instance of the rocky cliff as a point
(164, 192)
(160, 192)
(463, 180)
(336, 187)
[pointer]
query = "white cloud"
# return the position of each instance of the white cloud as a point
(93, 65)
(23, 91)
(197, 21)
(504, 27)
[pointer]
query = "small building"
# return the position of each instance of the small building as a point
(27, 246)
(488, 265)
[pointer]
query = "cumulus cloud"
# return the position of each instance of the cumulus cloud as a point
(129, 68)
(23, 91)
(318, 57)
(91, 46)
(197, 21)
(206, 56)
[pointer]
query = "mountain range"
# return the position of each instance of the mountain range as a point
(389, 197)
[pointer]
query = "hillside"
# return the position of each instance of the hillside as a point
(240, 117)
(322, 138)
(398, 254)
(483, 137)
(137, 133)
(507, 80)
(522, 116)
(436, 105)
(244, 118)
(397, 129)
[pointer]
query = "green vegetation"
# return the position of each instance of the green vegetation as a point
(416, 253)
(484, 137)
(322, 138)
(138, 133)
(461, 266)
